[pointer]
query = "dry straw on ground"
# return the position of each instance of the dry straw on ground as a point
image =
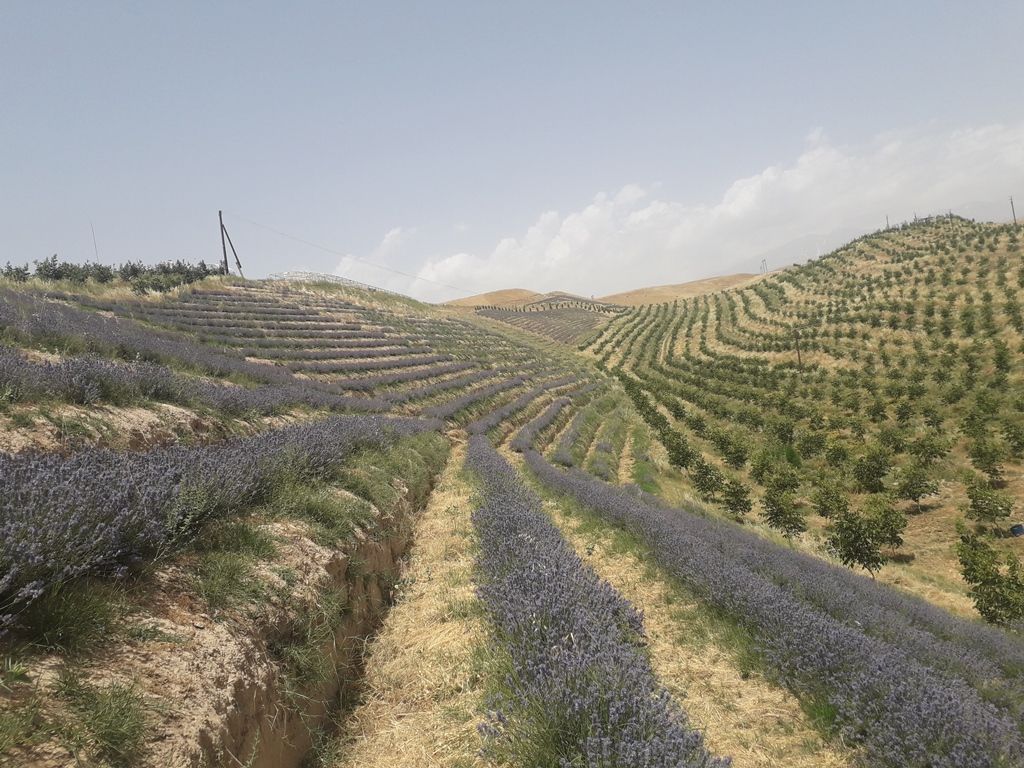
(423, 691)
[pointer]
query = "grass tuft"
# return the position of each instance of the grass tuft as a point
(73, 618)
(111, 720)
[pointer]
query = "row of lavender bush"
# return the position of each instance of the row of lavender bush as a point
(286, 350)
(580, 689)
(261, 339)
(42, 321)
(908, 682)
(456, 404)
(176, 319)
(87, 380)
(567, 443)
(527, 436)
(434, 387)
(334, 351)
(378, 363)
(98, 511)
(368, 383)
(488, 421)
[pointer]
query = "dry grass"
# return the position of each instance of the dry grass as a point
(423, 686)
(657, 294)
(741, 713)
(626, 460)
(510, 297)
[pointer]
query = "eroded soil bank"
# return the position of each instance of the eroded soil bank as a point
(246, 681)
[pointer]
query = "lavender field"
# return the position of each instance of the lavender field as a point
(253, 466)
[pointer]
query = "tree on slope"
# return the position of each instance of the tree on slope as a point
(736, 497)
(780, 512)
(915, 484)
(987, 505)
(997, 581)
(850, 539)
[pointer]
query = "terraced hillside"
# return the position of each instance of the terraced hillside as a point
(561, 318)
(280, 524)
(875, 388)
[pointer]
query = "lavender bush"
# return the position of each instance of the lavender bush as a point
(96, 511)
(494, 418)
(453, 406)
(579, 690)
(367, 383)
(426, 390)
(527, 436)
(87, 379)
(41, 321)
(911, 684)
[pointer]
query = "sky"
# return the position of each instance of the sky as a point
(447, 148)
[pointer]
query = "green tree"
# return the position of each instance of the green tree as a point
(829, 500)
(707, 479)
(850, 539)
(886, 523)
(928, 448)
(986, 456)
(781, 513)
(915, 484)
(736, 497)
(836, 454)
(1014, 434)
(997, 581)
(871, 468)
(987, 505)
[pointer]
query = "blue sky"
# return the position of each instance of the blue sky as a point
(591, 146)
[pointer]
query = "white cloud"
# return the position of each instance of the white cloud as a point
(786, 213)
(376, 267)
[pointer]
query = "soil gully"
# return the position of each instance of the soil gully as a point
(271, 728)
(255, 684)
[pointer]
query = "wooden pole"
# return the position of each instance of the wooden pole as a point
(1013, 211)
(237, 262)
(796, 337)
(223, 245)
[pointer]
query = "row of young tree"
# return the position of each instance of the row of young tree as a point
(142, 277)
(855, 440)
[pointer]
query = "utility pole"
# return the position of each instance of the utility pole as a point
(1013, 211)
(223, 244)
(796, 337)
(887, 221)
(226, 236)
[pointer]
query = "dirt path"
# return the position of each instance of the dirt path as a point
(423, 678)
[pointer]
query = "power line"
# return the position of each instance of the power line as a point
(334, 252)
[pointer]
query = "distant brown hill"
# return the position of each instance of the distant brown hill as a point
(509, 297)
(514, 298)
(662, 293)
